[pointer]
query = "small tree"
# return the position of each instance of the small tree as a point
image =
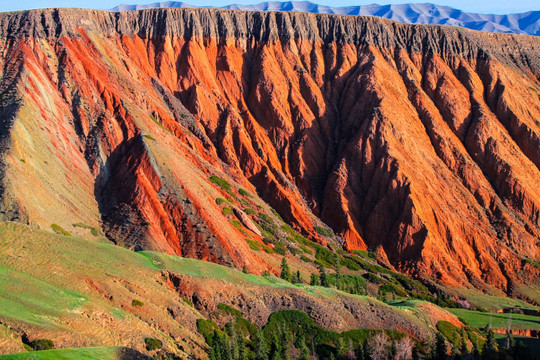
(245, 270)
(378, 347)
(286, 345)
(296, 278)
(285, 270)
(42, 344)
(261, 348)
(490, 347)
(359, 353)
(323, 277)
(152, 344)
(339, 275)
(340, 348)
(476, 350)
(404, 349)
(304, 351)
(440, 347)
(463, 349)
(314, 280)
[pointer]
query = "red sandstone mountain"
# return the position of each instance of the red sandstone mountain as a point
(420, 141)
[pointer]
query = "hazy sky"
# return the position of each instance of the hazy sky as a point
(480, 6)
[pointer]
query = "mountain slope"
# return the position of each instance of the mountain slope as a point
(420, 142)
(77, 305)
(523, 23)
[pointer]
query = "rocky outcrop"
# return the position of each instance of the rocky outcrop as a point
(418, 141)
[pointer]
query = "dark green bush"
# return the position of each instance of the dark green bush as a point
(206, 328)
(325, 255)
(58, 229)
(222, 183)
(280, 248)
(152, 344)
(372, 278)
(323, 231)
(220, 201)
(350, 264)
(42, 344)
(450, 331)
(244, 192)
(393, 288)
(267, 224)
(410, 284)
(254, 245)
(229, 310)
(136, 302)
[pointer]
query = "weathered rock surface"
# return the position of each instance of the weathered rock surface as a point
(421, 140)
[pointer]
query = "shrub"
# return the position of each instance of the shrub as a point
(136, 302)
(372, 278)
(222, 183)
(42, 344)
(287, 229)
(227, 211)
(396, 289)
(58, 229)
(93, 230)
(152, 344)
(149, 137)
(450, 331)
(237, 224)
(350, 264)
(187, 301)
(244, 192)
(227, 309)
(305, 259)
(293, 250)
(249, 211)
(323, 231)
(324, 254)
(410, 284)
(254, 245)
(206, 328)
(267, 223)
(220, 201)
(268, 249)
(280, 248)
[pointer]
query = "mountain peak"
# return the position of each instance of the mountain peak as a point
(527, 23)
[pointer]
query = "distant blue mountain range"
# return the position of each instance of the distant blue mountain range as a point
(522, 23)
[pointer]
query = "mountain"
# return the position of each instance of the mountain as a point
(418, 142)
(161, 168)
(523, 23)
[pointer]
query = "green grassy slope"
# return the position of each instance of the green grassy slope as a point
(498, 320)
(80, 293)
(99, 353)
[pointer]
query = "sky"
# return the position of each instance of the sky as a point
(478, 6)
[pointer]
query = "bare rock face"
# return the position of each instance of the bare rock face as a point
(420, 141)
(248, 223)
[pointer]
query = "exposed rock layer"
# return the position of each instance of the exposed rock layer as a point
(422, 141)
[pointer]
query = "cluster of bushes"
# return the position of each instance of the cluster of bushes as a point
(484, 345)
(293, 334)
